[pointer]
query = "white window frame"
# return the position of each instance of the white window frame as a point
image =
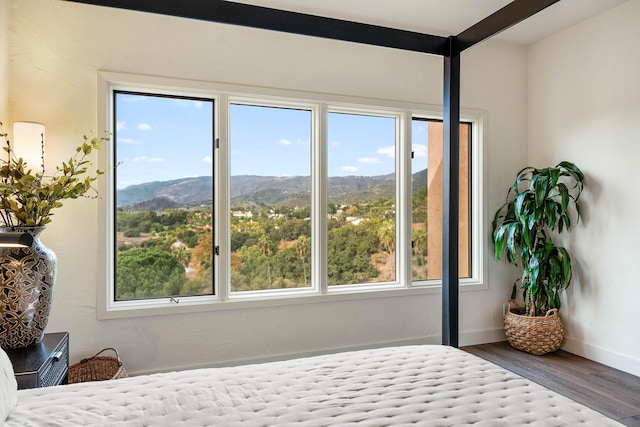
(399, 117)
(321, 105)
(315, 288)
(477, 200)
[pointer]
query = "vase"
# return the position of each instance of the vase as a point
(27, 280)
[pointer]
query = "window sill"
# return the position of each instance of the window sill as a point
(165, 307)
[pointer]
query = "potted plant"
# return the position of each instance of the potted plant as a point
(538, 206)
(27, 274)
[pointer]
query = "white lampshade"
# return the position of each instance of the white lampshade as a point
(28, 139)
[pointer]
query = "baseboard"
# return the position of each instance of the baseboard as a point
(607, 357)
(482, 337)
(466, 338)
(293, 355)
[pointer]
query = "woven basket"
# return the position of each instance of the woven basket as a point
(97, 368)
(535, 335)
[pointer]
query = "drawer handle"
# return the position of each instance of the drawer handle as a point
(56, 356)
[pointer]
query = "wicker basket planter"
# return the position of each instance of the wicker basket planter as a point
(535, 335)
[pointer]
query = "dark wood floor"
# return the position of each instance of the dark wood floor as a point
(607, 390)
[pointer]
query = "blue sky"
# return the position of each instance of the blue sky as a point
(160, 139)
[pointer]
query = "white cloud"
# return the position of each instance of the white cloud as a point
(369, 160)
(197, 104)
(147, 159)
(129, 141)
(387, 151)
(285, 141)
(207, 159)
(144, 126)
(121, 125)
(419, 150)
(349, 168)
(336, 143)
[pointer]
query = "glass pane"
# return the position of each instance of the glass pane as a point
(362, 199)
(164, 196)
(270, 197)
(426, 230)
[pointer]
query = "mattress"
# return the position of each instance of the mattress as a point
(395, 386)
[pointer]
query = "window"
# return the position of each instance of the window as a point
(270, 197)
(426, 200)
(361, 229)
(221, 196)
(163, 196)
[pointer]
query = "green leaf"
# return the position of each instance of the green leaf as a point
(541, 189)
(522, 175)
(555, 175)
(550, 213)
(564, 194)
(518, 203)
(573, 170)
(534, 267)
(499, 241)
(511, 239)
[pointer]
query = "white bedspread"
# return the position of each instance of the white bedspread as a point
(409, 385)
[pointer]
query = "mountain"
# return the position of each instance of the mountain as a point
(185, 191)
(249, 190)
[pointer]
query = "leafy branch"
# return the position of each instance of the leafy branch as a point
(27, 198)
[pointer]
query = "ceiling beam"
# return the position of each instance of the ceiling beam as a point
(511, 14)
(226, 12)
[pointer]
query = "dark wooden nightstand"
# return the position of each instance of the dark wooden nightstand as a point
(42, 365)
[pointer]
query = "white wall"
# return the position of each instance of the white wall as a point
(584, 106)
(4, 63)
(57, 48)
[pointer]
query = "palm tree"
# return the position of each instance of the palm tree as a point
(302, 246)
(263, 244)
(387, 236)
(420, 242)
(182, 254)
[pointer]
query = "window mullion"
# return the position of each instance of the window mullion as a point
(222, 279)
(320, 198)
(403, 206)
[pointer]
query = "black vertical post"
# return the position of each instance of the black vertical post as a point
(450, 196)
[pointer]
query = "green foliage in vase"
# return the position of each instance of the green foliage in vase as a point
(538, 205)
(27, 198)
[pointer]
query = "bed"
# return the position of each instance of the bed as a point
(394, 386)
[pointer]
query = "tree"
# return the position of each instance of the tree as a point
(387, 236)
(352, 210)
(349, 249)
(182, 254)
(202, 258)
(287, 272)
(303, 244)
(420, 243)
(263, 244)
(188, 237)
(144, 273)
